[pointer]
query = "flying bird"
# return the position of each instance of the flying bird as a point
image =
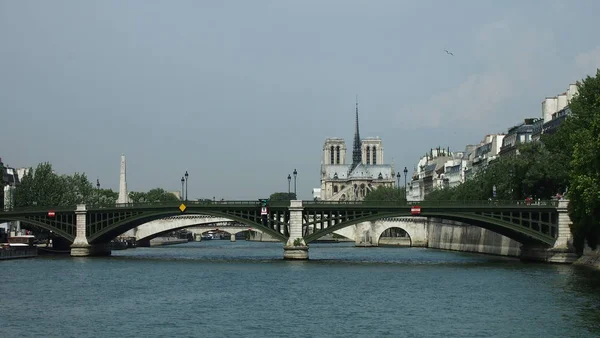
(447, 52)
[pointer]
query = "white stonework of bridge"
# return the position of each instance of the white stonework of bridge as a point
(194, 223)
(369, 233)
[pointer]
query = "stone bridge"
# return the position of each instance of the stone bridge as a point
(159, 226)
(194, 223)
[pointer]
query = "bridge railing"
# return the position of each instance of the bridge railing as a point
(308, 203)
(188, 204)
(444, 203)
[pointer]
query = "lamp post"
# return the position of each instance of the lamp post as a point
(182, 191)
(289, 181)
(405, 190)
(295, 174)
(10, 198)
(398, 180)
(186, 186)
(98, 190)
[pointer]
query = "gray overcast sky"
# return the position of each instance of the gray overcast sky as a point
(240, 93)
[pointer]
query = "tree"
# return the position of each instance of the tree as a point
(584, 176)
(382, 193)
(282, 196)
(43, 187)
(106, 196)
(152, 196)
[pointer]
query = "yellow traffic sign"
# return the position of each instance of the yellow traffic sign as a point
(182, 207)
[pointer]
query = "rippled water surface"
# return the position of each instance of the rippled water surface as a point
(246, 289)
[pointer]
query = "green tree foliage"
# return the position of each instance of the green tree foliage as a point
(105, 196)
(538, 171)
(152, 196)
(43, 187)
(386, 194)
(282, 196)
(584, 189)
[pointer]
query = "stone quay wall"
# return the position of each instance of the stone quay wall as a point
(457, 236)
(590, 258)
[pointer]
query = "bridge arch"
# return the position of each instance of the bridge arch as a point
(370, 232)
(132, 221)
(511, 230)
(61, 229)
(415, 228)
(156, 227)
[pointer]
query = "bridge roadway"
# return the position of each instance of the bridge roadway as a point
(542, 228)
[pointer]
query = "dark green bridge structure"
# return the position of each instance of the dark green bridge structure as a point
(542, 227)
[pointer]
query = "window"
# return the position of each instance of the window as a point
(368, 155)
(374, 155)
(337, 154)
(335, 189)
(331, 152)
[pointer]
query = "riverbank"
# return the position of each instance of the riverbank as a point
(590, 258)
(18, 252)
(160, 241)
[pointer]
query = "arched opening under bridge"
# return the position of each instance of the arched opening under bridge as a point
(394, 236)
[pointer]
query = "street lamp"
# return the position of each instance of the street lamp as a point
(289, 180)
(186, 186)
(295, 174)
(98, 190)
(182, 191)
(398, 179)
(10, 198)
(405, 190)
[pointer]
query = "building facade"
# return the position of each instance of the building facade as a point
(440, 169)
(342, 180)
(519, 134)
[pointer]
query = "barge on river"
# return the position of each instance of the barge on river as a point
(18, 247)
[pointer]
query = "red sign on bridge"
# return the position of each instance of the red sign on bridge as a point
(415, 210)
(51, 213)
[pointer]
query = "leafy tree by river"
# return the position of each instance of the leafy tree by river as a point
(282, 196)
(386, 194)
(583, 130)
(538, 171)
(43, 187)
(152, 196)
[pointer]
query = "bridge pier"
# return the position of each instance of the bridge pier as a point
(563, 250)
(80, 246)
(232, 238)
(295, 248)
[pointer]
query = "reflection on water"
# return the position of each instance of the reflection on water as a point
(222, 289)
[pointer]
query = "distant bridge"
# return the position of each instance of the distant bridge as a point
(154, 228)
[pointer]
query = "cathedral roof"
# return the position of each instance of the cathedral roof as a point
(361, 171)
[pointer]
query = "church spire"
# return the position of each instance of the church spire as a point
(356, 151)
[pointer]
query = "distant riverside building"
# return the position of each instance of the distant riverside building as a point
(554, 111)
(11, 178)
(343, 181)
(3, 180)
(519, 134)
(441, 169)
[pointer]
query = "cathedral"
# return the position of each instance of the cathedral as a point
(341, 181)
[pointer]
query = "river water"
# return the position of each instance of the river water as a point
(245, 289)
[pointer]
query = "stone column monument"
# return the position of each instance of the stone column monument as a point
(123, 194)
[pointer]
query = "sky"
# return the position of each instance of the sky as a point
(241, 93)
